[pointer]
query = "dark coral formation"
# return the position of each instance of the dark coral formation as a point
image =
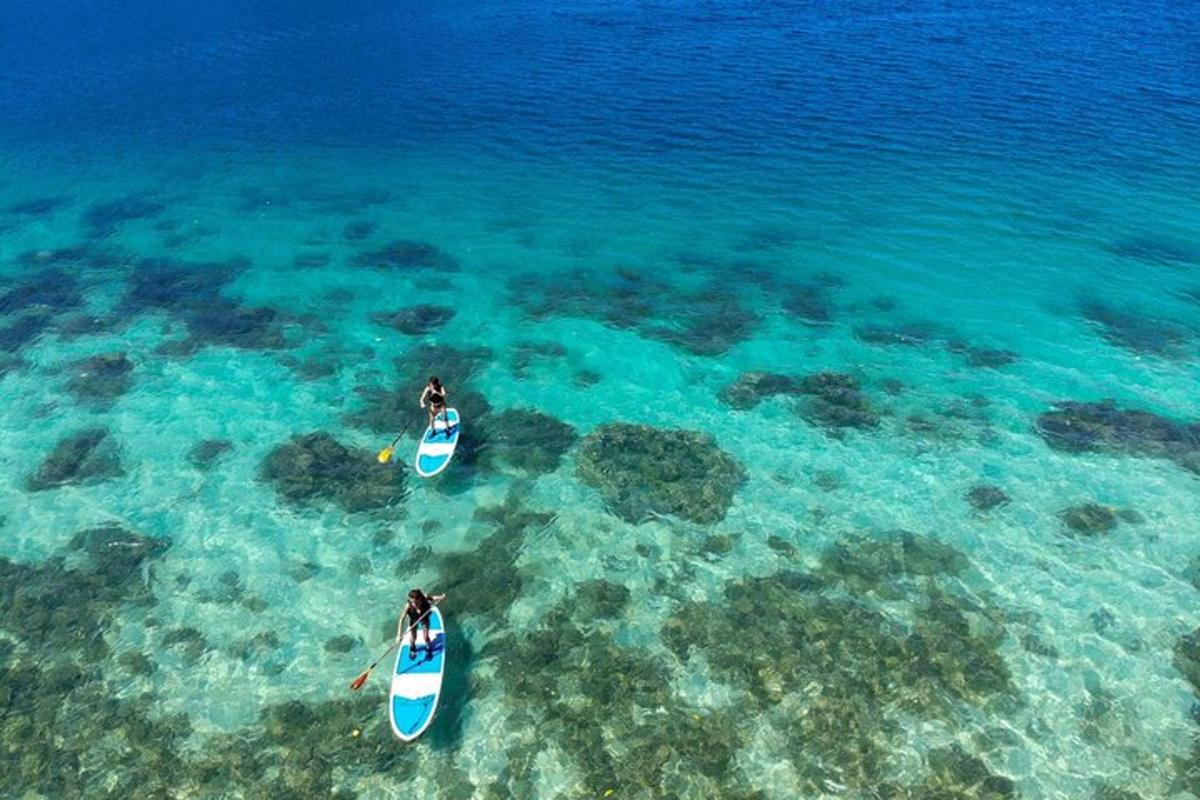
(1187, 657)
(105, 218)
(416, 320)
(910, 334)
(527, 440)
(751, 388)
(811, 304)
(312, 260)
(525, 354)
(640, 470)
(985, 497)
(192, 293)
(834, 401)
(407, 256)
(51, 290)
(609, 708)
(1157, 252)
(88, 456)
(707, 321)
(316, 466)
(989, 357)
(206, 452)
(39, 206)
(1089, 519)
(836, 674)
(24, 331)
(1104, 427)
(1138, 333)
(101, 379)
(484, 580)
(358, 230)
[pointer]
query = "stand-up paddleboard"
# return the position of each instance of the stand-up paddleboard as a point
(417, 682)
(438, 443)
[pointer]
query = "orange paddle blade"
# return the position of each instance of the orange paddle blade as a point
(385, 454)
(359, 681)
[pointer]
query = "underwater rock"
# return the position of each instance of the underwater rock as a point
(526, 353)
(581, 692)
(341, 644)
(205, 452)
(809, 304)
(990, 358)
(1187, 657)
(834, 401)
(1089, 519)
(52, 289)
(105, 218)
(416, 320)
(136, 663)
(188, 641)
(781, 545)
(1032, 643)
(640, 470)
(90, 455)
(311, 260)
(257, 647)
(526, 439)
(985, 497)
(358, 230)
(704, 322)
(178, 286)
(39, 206)
(316, 466)
(407, 256)
(1157, 252)
(24, 331)
(913, 334)
(844, 667)
(1191, 572)
(224, 322)
(1103, 427)
(954, 773)
(870, 563)
(586, 378)
(1137, 333)
(116, 552)
(102, 378)
(750, 388)
(707, 323)
(484, 580)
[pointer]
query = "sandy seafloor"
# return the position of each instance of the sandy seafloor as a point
(845, 624)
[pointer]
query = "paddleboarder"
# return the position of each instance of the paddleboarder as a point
(435, 394)
(416, 615)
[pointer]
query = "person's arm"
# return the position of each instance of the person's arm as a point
(424, 394)
(436, 598)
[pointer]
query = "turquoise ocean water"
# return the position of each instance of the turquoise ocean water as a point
(885, 571)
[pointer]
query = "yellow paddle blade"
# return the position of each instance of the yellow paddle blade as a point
(385, 454)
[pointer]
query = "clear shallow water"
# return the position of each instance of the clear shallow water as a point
(889, 195)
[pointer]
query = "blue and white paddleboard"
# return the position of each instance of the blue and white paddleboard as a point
(438, 443)
(417, 682)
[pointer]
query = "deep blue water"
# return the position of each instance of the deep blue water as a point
(828, 374)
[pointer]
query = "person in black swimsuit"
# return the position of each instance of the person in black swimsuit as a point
(416, 615)
(435, 394)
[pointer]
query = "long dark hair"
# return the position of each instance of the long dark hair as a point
(435, 383)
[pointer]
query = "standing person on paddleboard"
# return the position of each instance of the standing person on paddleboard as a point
(435, 394)
(416, 614)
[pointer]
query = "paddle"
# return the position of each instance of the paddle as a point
(357, 683)
(385, 455)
